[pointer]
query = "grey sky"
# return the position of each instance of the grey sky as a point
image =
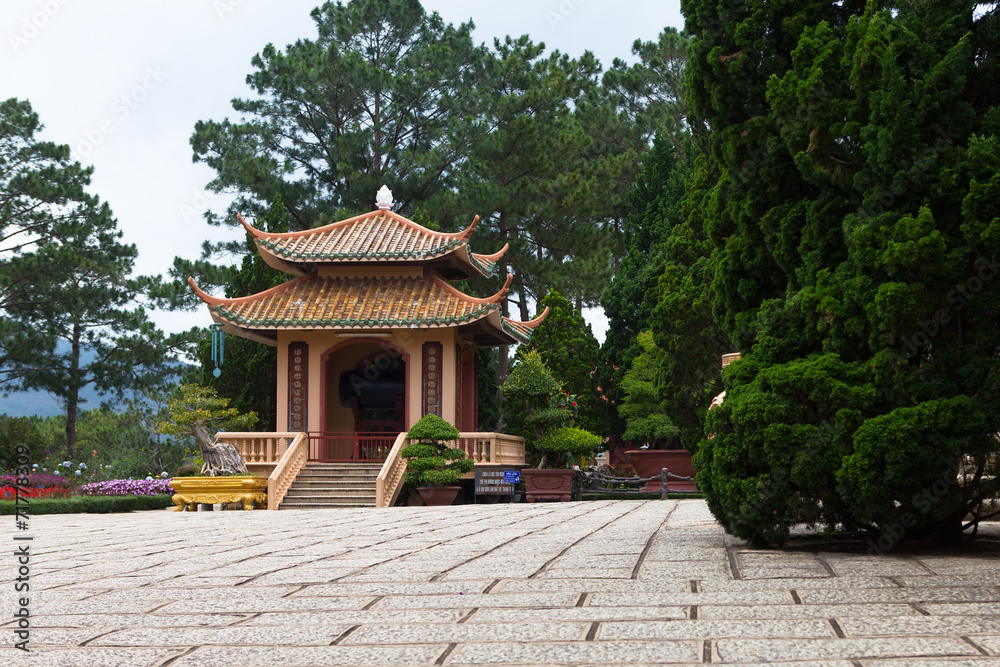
(124, 81)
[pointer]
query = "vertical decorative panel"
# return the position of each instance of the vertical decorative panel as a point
(458, 386)
(298, 383)
(431, 369)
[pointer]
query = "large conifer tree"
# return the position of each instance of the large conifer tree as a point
(852, 149)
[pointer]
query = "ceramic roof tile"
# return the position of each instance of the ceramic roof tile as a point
(334, 302)
(376, 236)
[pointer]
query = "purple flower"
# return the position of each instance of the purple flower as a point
(128, 487)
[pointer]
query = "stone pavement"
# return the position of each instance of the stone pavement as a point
(592, 583)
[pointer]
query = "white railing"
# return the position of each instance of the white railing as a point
(492, 448)
(287, 469)
(258, 448)
(390, 478)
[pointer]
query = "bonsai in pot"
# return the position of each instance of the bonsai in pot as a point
(194, 412)
(434, 467)
(547, 416)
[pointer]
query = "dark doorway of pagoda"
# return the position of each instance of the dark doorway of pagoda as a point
(365, 390)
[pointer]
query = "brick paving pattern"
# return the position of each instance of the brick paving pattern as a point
(595, 583)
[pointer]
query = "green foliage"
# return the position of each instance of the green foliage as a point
(89, 505)
(538, 408)
(641, 407)
(193, 403)
(432, 428)
(903, 470)
(528, 389)
(15, 431)
(569, 442)
(430, 461)
(115, 445)
(567, 347)
(854, 155)
(779, 438)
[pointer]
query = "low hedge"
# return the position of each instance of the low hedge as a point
(88, 504)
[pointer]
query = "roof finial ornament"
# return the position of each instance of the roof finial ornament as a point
(384, 198)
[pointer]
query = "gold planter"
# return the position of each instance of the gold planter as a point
(190, 491)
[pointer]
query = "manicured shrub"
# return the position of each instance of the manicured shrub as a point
(431, 461)
(569, 441)
(89, 504)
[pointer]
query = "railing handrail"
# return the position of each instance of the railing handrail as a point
(295, 454)
(390, 475)
(221, 435)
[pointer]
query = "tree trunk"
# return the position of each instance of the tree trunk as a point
(523, 305)
(221, 458)
(73, 394)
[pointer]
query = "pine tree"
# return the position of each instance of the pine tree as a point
(81, 324)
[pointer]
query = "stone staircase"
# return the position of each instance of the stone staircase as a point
(327, 485)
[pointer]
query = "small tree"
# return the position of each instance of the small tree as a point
(641, 407)
(543, 414)
(431, 462)
(193, 413)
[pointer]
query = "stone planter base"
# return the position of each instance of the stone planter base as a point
(649, 462)
(438, 495)
(191, 491)
(548, 484)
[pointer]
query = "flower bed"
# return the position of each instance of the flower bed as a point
(9, 492)
(37, 480)
(128, 487)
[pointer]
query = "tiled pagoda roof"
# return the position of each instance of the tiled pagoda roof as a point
(380, 236)
(367, 303)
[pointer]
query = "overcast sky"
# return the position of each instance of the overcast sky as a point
(124, 81)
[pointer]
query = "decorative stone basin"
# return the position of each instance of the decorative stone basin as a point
(190, 491)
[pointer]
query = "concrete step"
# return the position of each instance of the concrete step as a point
(332, 475)
(331, 485)
(329, 504)
(329, 493)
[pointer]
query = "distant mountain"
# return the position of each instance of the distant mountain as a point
(43, 404)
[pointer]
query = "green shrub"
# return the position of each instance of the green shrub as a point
(431, 462)
(88, 504)
(569, 442)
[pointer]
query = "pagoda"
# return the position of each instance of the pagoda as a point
(371, 335)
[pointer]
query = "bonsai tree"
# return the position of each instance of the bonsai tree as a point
(641, 407)
(563, 445)
(430, 461)
(540, 410)
(194, 412)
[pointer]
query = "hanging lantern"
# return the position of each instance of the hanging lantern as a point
(218, 348)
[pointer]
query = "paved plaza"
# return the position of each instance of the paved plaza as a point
(592, 583)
